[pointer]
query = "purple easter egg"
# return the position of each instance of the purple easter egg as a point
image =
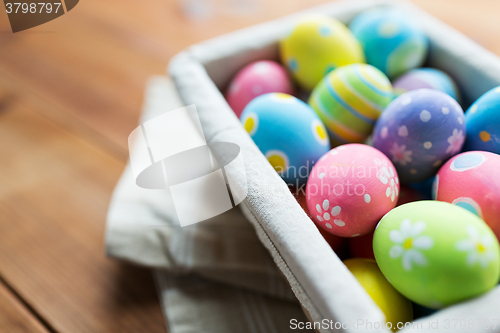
(419, 131)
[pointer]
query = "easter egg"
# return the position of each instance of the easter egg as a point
(335, 242)
(350, 189)
(255, 79)
(436, 254)
(426, 78)
(317, 45)
(420, 130)
(391, 41)
(483, 123)
(397, 309)
(349, 101)
(362, 246)
(470, 180)
(288, 133)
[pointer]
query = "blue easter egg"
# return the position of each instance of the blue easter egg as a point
(419, 131)
(483, 123)
(390, 40)
(288, 132)
(429, 78)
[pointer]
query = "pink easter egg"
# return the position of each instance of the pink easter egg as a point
(255, 79)
(350, 189)
(470, 180)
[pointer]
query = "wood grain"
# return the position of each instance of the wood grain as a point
(70, 93)
(15, 317)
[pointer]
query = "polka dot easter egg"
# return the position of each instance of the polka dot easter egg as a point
(395, 307)
(429, 78)
(483, 123)
(288, 133)
(436, 253)
(317, 45)
(349, 101)
(255, 79)
(470, 180)
(350, 189)
(391, 41)
(420, 130)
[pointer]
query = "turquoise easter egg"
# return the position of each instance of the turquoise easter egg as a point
(391, 41)
(436, 254)
(288, 133)
(483, 123)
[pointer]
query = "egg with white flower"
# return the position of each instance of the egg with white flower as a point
(350, 188)
(419, 131)
(436, 254)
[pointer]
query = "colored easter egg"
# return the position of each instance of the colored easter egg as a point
(391, 41)
(426, 78)
(317, 45)
(470, 180)
(396, 308)
(483, 123)
(335, 242)
(288, 133)
(255, 79)
(436, 254)
(362, 246)
(420, 130)
(350, 189)
(349, 101)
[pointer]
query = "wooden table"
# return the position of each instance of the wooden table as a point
(70, 93)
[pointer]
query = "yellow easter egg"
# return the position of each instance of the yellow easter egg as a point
(396, 308)
(317, 45)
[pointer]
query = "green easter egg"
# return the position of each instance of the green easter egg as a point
(317, 45)
(349, 101)
(436, 253)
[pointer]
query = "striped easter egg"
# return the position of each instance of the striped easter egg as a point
(349, 101)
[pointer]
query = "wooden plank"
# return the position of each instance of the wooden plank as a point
(54, 192)
(14, 315)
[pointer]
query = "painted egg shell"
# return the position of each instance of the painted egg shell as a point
(395, 307)
(362, 246)
(483, 123)
(335, 242)
(420, 130)
(288, 133)
(349, 101)
(436, 253)
(391, 41)
(316, 45)
(255, 79)
(429, 78)
(350, 189)
(470, 180)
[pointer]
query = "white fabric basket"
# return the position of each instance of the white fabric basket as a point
(319, 280)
